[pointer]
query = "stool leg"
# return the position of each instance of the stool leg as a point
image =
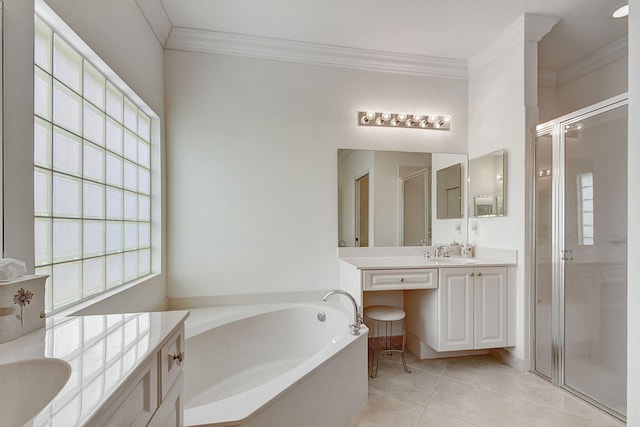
(387, 337)
(376, 351)
(404, 338)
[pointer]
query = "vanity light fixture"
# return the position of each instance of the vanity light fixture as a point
(415, 121)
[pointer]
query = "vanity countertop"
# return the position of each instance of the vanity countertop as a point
(103, 351)
(390, 262)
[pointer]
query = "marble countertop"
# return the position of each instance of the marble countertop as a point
(103, 351)
(387, 262)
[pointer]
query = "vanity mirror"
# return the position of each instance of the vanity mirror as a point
(487, 185)
(449, 192)
(387, 198)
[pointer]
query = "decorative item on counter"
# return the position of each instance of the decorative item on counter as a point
(455, 248)
(21, 306)
(22, 298)
(467, 250)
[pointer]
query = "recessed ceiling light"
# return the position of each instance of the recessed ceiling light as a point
(621, 12)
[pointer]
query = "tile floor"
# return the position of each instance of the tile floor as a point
(469, 391)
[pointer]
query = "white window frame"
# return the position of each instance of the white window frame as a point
(48, 17)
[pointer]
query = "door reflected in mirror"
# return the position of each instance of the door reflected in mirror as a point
(487, 185)
(400, 208)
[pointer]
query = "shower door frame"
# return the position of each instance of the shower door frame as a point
(554, 128)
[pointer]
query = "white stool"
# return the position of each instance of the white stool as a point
(388, 315)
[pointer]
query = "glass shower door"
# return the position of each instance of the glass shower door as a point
(543, 310)
(594, 257)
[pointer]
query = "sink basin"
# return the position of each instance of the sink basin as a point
(27, 387)
(449, 261)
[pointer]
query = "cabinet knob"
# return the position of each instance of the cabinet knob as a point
(178, 358)
(479, 274)
(402, 279)
(472, 274)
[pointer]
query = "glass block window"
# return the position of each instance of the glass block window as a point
(585, 208)
(92, 167)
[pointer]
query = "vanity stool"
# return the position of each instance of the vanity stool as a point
(382, 343)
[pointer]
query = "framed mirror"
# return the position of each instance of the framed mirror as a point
(487, 184)
(387, 198)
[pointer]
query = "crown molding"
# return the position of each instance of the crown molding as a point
(591, 62)
(528, 27)
(157, 17)
(313, 53)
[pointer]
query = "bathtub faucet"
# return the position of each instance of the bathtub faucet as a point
(357, 318)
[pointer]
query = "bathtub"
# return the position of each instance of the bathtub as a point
(273, 365)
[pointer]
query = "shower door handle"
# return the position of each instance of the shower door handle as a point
(567, 255)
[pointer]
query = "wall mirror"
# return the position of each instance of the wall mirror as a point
(387, 198)
(487, 185)
(449, 192)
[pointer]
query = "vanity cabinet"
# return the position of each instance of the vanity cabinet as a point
(153, 397)
(469, 311)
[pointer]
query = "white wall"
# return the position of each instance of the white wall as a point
(252, 164)
(633, 231)
(500, 104)
(118, 32)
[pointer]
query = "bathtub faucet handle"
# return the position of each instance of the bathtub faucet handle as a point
(357, 317)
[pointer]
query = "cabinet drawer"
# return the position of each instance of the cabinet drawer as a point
(171, 360)
(384, 280)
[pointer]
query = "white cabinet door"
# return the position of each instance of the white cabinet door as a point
(455, 309)
(490, 307)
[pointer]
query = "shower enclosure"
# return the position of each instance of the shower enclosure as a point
(580, 258)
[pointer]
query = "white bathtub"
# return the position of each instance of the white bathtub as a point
(273, 365)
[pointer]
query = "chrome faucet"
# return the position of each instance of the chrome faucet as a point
(357, 318)
(445, 251)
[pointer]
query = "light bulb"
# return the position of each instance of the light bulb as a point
(409, 123)
(364, 120)
(423, 123)
(371, 115)
(432, 118)
(386, 116)
(417, 117)
(394, 121)
(401, 117)
(621, 12)
(447, 118)
(379, 121)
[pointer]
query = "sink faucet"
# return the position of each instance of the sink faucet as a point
(357, 318)
(444, 250)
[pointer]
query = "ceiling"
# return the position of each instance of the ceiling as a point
(455, 29)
